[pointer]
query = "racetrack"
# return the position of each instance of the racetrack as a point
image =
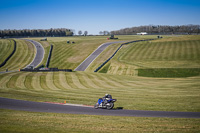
(39, 54)
(83, 66)
(13, 104)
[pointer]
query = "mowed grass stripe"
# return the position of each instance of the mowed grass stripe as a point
(84, 80)
(190, 49)
(56, 81)
(50, 82)
(12, 81)
(6, 47)
(16, 62)
(30, 53)
(99, 81)
(43, 81)
(20, 82)
(63, 81)
(23, 56)
(112, 82)
(96, 81)
(161, 54)
(70, 81)
(197, 50)
(36, 81)
(90, 81)
(5, 78)
(28, 81)
(144, 50)
(60, 55)
(77, 82)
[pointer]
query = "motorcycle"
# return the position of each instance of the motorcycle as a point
(105, 104)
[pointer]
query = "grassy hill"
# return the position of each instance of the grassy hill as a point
(174, 52)
(6, 48)
(70, 55)
(23, 56)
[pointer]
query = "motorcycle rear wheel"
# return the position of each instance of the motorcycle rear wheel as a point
(110, 106)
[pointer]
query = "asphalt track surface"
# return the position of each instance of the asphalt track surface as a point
(84, 65)
(21, 105)
(39, 54)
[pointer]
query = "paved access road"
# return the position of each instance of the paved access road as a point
(39, 53)
(94, 55)
(13, 104)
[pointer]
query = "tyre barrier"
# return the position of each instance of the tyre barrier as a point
(117, 51)
(3, 63)
(49, 57)
(45, 70)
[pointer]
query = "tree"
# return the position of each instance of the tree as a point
(69, 33)
(100, 33)
(80, 32)
(106, 33)
(85, 33)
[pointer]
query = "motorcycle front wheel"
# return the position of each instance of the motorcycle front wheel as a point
(110, 105)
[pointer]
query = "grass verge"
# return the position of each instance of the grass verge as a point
(23, 122)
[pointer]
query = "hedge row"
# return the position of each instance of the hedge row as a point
(169, 72)
(49, 57)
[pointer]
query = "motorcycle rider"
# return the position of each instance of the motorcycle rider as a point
(105, 102)
(106, 98)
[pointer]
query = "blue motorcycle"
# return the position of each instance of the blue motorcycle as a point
(105, 104)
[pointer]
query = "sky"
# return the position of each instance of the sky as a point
(96, 15)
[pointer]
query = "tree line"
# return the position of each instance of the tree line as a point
(159, 29)
(36, 32)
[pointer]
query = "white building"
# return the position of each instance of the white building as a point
(142, 33)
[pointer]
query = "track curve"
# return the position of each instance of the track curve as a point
(39, 53)
(13, 104)
(83, 66)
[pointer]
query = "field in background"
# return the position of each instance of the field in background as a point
(174, 52)
(70, 55)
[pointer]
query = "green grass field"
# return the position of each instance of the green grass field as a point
(23, 56)
(6, 48)
(176, 52)
(85, 88)
(23, 122)
(119, 78)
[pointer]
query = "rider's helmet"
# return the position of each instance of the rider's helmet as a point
(108, 96)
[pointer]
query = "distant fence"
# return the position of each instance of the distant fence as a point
(49, 57)
(116, 52)
(3, 63)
